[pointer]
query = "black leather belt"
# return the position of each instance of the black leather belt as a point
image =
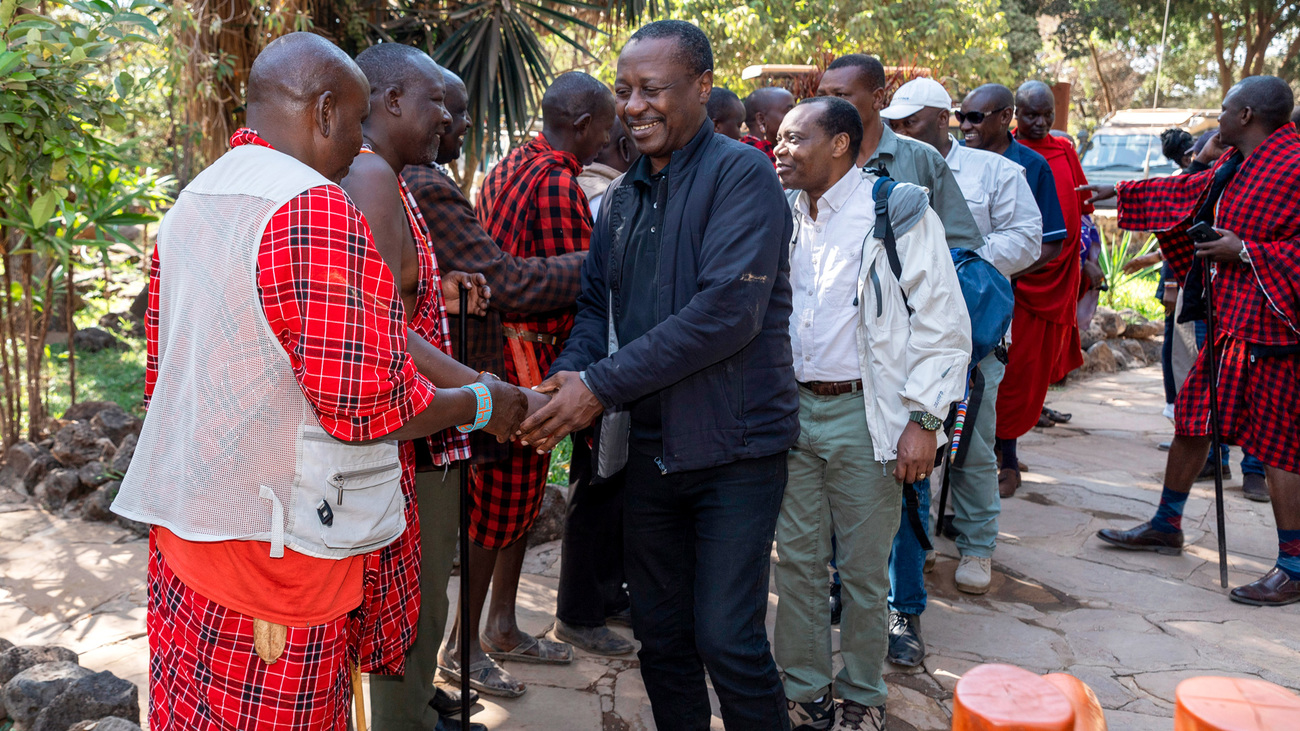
(529, 336)
(832, 388)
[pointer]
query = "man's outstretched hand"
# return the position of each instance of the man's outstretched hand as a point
(509, 406)
(480, 294)
(572, 407)
(1099, 192)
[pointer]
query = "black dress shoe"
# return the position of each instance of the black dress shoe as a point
(1207, 472)
(1144, 538)
(1274, 589)
(447, 702)
(905, 644)
(837, 604)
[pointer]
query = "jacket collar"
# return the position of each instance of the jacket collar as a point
(887, 148)
(690, 155)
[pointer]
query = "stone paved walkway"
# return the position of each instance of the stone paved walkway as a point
(1131, 625)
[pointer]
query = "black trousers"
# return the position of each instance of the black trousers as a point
(591, 572)
(699, 547)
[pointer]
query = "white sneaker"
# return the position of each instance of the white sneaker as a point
(1169, 412)
(974, 574)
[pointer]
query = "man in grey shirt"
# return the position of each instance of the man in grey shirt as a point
(860, 79)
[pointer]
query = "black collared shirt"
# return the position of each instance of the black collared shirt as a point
(640, 284)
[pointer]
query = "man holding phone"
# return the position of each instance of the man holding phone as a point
(1241, 219)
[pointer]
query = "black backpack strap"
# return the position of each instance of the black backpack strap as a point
(884, 228)
(912, 504)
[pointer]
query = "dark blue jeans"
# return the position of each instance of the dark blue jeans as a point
(698, 555)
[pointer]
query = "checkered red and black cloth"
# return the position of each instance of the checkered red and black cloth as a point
(1257, 302)
(322, 283)
(762, 144)
(519, 284)
(1259, 403)
(532, 206)
(204, 674)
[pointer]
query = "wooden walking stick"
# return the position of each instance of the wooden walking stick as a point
(1212, 358)
(461, 346)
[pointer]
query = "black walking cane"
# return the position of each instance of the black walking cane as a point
(461, 349)
(1215, 439)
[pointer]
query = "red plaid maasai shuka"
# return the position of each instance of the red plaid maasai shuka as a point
(204, 674)
(322, 284)
(1259, 403)
(532, 205)
(1257, 302)
(767, 147)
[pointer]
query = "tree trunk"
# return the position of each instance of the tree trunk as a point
(12, 375)
(29, 340)
(1225, 69)
(71, 286)
(1105, 87)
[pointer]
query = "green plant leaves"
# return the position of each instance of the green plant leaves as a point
(42, 209)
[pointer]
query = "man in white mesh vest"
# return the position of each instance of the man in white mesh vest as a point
(280, 378)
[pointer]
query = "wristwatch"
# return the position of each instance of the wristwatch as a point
(928, 421)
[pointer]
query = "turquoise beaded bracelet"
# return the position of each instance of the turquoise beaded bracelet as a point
(484, 412)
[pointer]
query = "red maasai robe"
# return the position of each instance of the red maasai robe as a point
(532, 205)
(1045, 327)
(203, 672)
(1256, 303)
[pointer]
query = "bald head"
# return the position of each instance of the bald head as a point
(1035, 110)
(765, 108)
(572, 95)
(985, 117)
(295, 69)
(1256, 107)
(577, 112)
(395, 66)
(308, 100)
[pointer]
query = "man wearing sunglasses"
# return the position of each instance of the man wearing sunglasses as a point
(1039, 327)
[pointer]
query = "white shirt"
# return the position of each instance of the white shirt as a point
(595, 206)
(1000, 199)
(825, 260)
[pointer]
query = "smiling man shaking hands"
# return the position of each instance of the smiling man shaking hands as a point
(682, 332)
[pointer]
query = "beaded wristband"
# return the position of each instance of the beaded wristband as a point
(484, 413)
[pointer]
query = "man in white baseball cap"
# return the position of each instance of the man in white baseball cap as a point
(1000, 199)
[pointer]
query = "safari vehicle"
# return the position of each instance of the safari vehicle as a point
(1126, 145)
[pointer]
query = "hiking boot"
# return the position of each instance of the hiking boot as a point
(1254, 487)
(837, 603)
(974, 574)
(857, 717)
(812, 716)
(1207, 472)
(906, 647)
(597, 640)
(1144, 538)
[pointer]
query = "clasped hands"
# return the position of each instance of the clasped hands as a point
(540, 417)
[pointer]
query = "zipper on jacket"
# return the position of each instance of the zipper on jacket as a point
(339, 479)
(660, 463)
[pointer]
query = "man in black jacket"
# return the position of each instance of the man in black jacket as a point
(682, 341)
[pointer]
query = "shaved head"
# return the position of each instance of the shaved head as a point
(577, 112)
(295, 69)
(1035, 110)
(1268, 96)
(308, 100)
(394, 66)
(1255, 108)
(765, 108)
(997, 94)
(572, 95)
